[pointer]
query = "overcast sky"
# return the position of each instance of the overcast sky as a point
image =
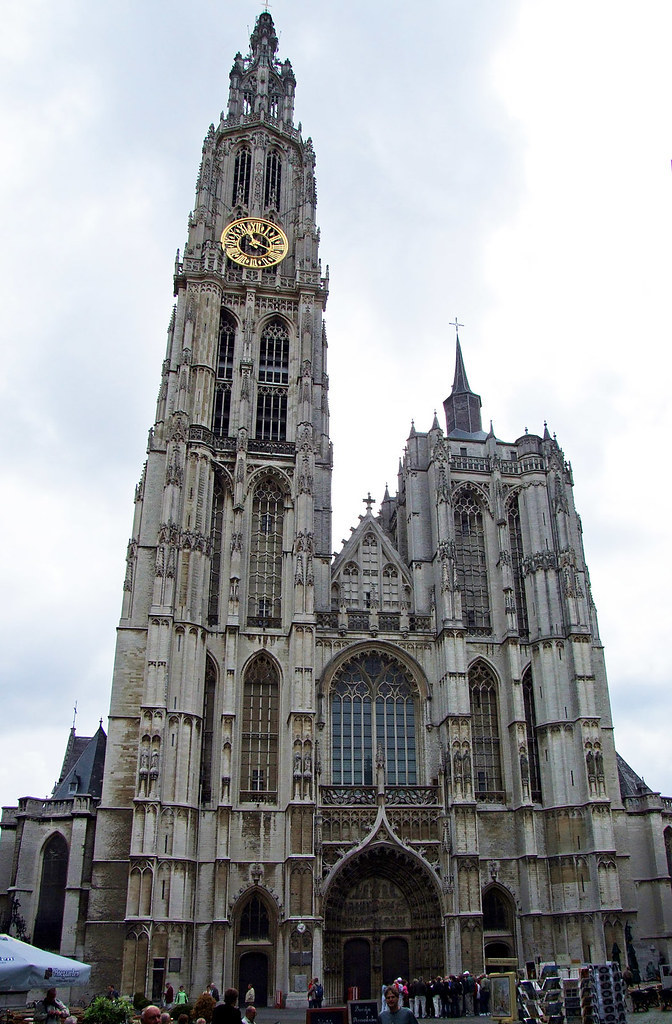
(504, 162)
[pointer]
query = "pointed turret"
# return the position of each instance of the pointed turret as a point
(463, 406)
(263, 41)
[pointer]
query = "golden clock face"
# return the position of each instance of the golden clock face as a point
(253, 242)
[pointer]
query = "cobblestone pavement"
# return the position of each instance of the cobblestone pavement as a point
(268, 1015)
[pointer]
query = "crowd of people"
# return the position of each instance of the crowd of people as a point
(463, 995)
(226, 1010)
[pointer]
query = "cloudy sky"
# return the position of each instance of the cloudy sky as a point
(504, 162)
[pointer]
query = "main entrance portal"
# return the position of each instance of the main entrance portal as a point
(382, 921)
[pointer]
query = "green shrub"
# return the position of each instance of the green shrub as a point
(178, 1008)
(102, 1010)
(140, 1001)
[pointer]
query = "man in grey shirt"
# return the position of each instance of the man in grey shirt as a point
(395, 1014)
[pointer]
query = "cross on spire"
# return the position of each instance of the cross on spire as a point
(455, 325)
(368, 501)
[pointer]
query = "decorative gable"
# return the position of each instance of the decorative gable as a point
(368, 572)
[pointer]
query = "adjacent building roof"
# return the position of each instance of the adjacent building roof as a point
(83, 764)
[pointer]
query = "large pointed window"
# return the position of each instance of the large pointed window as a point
(485, 734)
(271, 422)
(51, 903)
(242, 170)
(224, 370)
(531, 729)
(516, 543)
(373, 709)
(259, 761)
(470, 563)
(265, 577)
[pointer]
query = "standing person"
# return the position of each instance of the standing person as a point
(227, 1012)
(485, 995)
(213, 991)
(436, 987)
(395, 1014)
(55, 1011)
(181, 998)
(169, 995)
(250, 997)
(456, 997)
(311, 994)
(445, 997)
(319, 993)
(421, 1009)
(468, 986)
(150, 1015)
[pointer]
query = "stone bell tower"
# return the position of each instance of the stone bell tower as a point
(205, 823)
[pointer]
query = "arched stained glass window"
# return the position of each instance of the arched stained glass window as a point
(531, 729)
(254, 920)
(259, 762)
(265, 577)
(485, 734)
(372, 707)
(470, 564)
(516, 544)
(242, 170)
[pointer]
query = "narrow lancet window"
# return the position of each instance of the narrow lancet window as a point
(259, 767)
(516, 543)
(470, 561)
(273, 175)
(208, 729)
(265, 578)
(485, 734)
(531, 730)
(242, 171)
(224, 381)
(271, 421)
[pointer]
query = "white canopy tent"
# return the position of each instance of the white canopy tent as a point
(23, 967)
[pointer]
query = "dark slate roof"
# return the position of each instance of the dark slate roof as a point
(74, 750)
(630, 783)
(85, 776)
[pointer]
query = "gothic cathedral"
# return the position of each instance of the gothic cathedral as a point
(397, 761)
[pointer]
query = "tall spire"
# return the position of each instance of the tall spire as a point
(463, 406)
(460, 382)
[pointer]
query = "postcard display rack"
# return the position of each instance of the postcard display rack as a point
(602, 993)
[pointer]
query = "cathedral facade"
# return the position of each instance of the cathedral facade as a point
(396, 761)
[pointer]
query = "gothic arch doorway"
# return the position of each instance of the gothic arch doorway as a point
(384, 903)
(254, 971)
(499, 939)
(357, 967)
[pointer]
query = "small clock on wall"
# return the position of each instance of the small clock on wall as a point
(254, 242)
